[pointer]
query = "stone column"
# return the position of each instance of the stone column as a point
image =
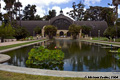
(80, 34)
(43, 32)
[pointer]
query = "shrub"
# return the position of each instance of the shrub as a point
(45, 57)
(21, 32)
(6, 30)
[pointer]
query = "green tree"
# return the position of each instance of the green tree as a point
(37, 17)
(21, 32)
(86, 29)
(78, 11)
(50, 30)
(52, 13)
(118, 22)
(108, 15)
(93, 13)
(74, 30)
(29, 12)
(37, 30)
(6, 31)
(1, 16)
(110, 32)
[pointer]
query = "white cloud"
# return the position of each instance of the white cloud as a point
(65, 10)
(2, 6)
(112, 6)
(41, 4)
(89, 2)
(58, 9)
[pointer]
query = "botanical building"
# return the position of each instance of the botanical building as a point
(63, 22)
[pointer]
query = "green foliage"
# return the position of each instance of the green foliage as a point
(110, 32)
(118, 22)
(77, 12)
(52, 13)
(74, 30)
(42, 56)
(86, 29)
(119, 50)
(37, 30)
(117, 40)
(29, 38)
(29, 12)
(21, 32)
(37, 17)
(108, 15)
(9, 37)
(6, 30)
(50, 30)
(1, 16)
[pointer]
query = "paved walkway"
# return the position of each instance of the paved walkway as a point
(10, 43)
(33, 71)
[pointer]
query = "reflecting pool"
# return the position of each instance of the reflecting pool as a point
(79, 56)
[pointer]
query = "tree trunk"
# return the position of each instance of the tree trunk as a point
(2, 39)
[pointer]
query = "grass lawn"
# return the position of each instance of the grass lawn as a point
(100, 38)
(15, 45)
(17, 76)
(105, 42)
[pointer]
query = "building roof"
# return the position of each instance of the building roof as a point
(60, 16)
(95, 25)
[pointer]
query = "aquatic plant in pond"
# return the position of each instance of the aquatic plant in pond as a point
(44, 58)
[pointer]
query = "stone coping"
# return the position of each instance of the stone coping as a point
(33, 71)
(4, 58)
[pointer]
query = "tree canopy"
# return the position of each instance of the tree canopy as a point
(21, 32)
(6, 31)
(50, 30)
(29, 12)
(37, 30)
(74, 30)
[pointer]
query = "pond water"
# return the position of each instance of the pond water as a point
(79, 56)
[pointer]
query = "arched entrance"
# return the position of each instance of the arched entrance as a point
(61, 34)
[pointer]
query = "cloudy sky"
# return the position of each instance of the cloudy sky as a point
(43, 6)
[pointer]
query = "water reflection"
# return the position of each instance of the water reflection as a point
(79, 56)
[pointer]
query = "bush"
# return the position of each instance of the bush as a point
(6, 30)
(10, 37)
(29, 38)
(117, 40)
(37, 30)
(21, 32)
(45, 57)
(42, 55)
(110, 32)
